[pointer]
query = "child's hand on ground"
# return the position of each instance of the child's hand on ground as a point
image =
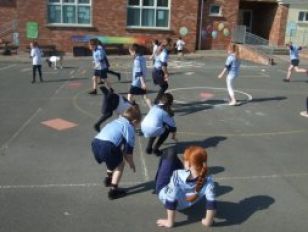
(164, 223)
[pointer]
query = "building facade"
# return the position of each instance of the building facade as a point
(204, 24)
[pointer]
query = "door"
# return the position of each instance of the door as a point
(246, 19)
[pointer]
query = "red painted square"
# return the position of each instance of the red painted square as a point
(206, 96)
(74, 85)
(59, 124)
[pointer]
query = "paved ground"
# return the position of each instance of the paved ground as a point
(50, 182)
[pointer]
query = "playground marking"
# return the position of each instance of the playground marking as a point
(7, 67)
(59, 124)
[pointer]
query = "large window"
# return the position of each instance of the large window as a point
(69, 12)
(303, 16)
(148, 14)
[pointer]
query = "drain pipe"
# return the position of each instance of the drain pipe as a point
(201, 24)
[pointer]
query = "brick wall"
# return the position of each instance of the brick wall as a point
(109, 19)
(229, 20)
(7, 13)
(278, 29)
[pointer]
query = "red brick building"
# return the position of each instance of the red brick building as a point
(204, 24)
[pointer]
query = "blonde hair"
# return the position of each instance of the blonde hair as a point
(234, 49)
(197, 157)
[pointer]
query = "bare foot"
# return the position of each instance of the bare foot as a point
(232, 103)
(304, 114)
(164, 223)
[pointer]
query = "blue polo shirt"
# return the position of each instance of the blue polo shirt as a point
(99, 58)
(139, 70)
(120, 131)
(294, 52)
(161, 59)
(173, 196)
(233, 65)
(153, 123)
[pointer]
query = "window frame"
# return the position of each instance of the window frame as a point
(219, 14)
(305, 20)
(141, 7)
(61, 3)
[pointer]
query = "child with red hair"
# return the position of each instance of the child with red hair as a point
(180, 185)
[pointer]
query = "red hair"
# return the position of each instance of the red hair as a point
(197, 157)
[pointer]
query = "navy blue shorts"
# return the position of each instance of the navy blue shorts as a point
(295, 62)
(137, 91)
(158, 77)
(105, 151)
(101, 73)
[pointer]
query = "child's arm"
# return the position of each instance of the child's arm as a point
(227, 67)
(209, 218)
(143, 85)
(129, 159)
(222, 73)
(169, 221)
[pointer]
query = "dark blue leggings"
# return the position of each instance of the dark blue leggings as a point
(169, 162)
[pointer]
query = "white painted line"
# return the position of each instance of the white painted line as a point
(90, 185)
(5, 146)
(145, 170)
(282, 71)
(7, 67)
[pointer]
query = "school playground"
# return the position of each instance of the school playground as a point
(49, 180)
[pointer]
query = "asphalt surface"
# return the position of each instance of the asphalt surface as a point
(49, 180)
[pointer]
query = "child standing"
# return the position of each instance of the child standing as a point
(100, 66)
(232, 67)
(294, 57)
(112, 102)
(158, 123)
(107, 147)
(180, 46)
(36, 55)
(138, 86)
(155, 45)
(180, 186)
(160, 72)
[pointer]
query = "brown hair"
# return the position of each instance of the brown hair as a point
(93, 42)
(197, 157)
(234, 49)
(133, 113)
(167, 100)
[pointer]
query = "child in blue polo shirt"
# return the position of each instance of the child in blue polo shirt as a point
(100, 65)
(158, 123)
(138, 86)
(181, 185)
(115, 142)
(232, 67)
(294, 60)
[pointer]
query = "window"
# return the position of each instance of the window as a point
(215, 10)
(148, 14)
(303, 16)
(69, 12)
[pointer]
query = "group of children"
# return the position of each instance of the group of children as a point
(178, 184)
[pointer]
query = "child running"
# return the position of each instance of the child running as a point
(100, 66)
(36, 55)
(158, 123)
(181, 185)
(112, 102)
(232, 67)
(294, 57)
(107, 147)
(138, 86)
(160, 72)
(305, 113)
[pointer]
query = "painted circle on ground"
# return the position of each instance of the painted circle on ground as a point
(209, 96)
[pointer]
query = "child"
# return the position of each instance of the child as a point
(180, 46)
(36, 55)
(52, 61)
(305, 113)
(159, 122)
(100, 66)
(155, 45)
(108, 64)
(232, 67)
(138, 86)
(160, 72)
(112, 102)
(294, 57)
(180, 186)
(107, 147)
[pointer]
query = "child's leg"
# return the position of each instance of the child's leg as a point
(94, 85)
(147, 101)
(161, 140)
(163, 87)
(116, 175)
(150, 145)
(169, 162)
(130, 97)
(290, 69)
(300, 70)
(33, 73)
(229, 81)
(39, 68)
(115, 74)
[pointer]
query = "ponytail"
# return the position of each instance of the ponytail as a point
(197, 157)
